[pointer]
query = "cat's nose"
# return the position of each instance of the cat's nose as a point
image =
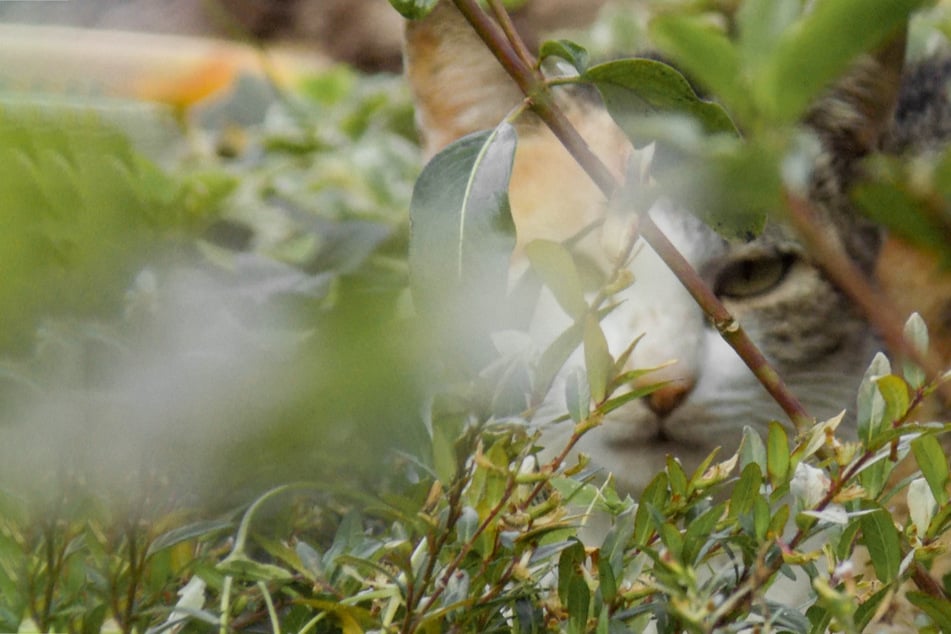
(666, 399)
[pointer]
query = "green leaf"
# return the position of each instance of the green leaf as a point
(761, 517)
(632, 88)
(572, 588)
(673, 540)
(597, 358)
(556, 267)
(462, 236)
(933, 464)
(705, 53)
(881, 538)
(187, 532)
(746, 490)
(895, 207)
(752, 449)
(761, 25)
(821, 47)
(246, 568)
(567, 50)
(414, 9)
(894, 391)
(777, 454)
(697, 533)
(637, 393)
(937, 610)
(655, 496)
(676, 478)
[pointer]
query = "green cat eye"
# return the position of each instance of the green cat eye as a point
(752, 276)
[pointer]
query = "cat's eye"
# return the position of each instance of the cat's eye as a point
(752, 276)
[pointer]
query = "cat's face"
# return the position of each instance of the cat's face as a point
(800, 322)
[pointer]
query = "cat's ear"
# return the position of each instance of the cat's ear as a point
(457, 84)
(854, 115)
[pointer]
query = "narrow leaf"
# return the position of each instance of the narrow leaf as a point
(933, 464)
(881, 538)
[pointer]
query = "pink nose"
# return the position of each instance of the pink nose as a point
(668, 398)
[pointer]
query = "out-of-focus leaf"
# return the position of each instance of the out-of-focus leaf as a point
(414, 9)
(185, 533)
(896, 208)
(821, 46)
(633, 88)
(705, 53)
(461, 239)
(556, 267)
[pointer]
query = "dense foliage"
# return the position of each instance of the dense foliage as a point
(224, 410)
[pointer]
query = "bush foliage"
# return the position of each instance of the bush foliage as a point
(231, 412)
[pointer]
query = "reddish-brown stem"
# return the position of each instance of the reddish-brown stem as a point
(543, 104)
(847, 276)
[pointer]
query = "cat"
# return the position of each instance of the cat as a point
(817, 341)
